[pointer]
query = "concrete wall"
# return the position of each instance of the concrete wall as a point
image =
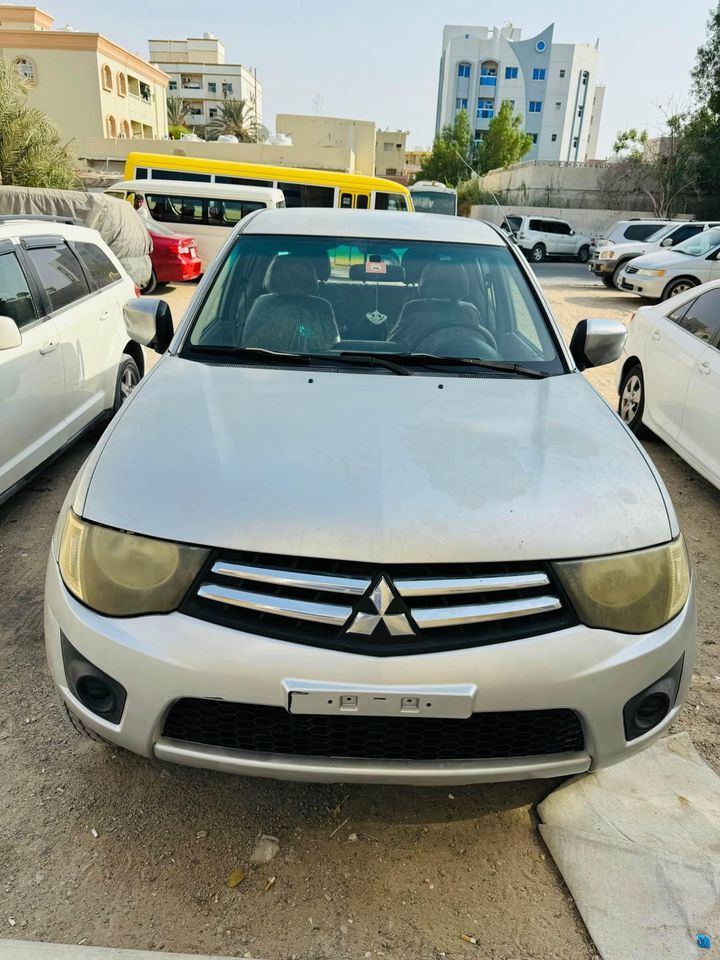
(390, 153)
(560, 184)
(317, 134)
(589, 222)
(101, 154)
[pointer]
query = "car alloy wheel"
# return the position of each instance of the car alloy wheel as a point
(128, 382)
(680, 287)
(537, 254)
(631, 398)
(583, 254)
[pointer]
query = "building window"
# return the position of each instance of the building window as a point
(461, 103)
(111, 127)
(387, 147)
(511, 73)
(534, 137)
(485, 109)
(576, 142)
(535, 106)
(145, 92)
(562, 74)
(580, 111)
(212, 87)
(585, 78)
(125, 130)
(558, 104)
(538, 73)
(172, 85)
(554, 138)
(479, 136)
(26, 69)
(121, 85)
(467, 36)
(213, 112)
(107, 77)
(463, 70)
(488, 74)
(227, 89)
(512, 104)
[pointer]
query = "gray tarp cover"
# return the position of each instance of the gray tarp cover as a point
(638, 845)
(115, 220)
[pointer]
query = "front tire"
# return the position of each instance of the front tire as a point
(608, 281)
(537, 254)
(583, 254)
(616, 273)
(631, 404)
(151, 285)
(678, 286)
(128, 378)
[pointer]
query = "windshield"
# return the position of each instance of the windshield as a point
(701, 244)
(315, 296)
(434, 201)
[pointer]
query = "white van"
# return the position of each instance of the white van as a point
(207, 211)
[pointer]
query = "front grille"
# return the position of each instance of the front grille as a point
(483, 736)
(430, 608)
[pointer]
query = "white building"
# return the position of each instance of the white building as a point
(200, 76)
(552, 85)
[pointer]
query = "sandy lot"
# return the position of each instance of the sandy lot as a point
(427, 866)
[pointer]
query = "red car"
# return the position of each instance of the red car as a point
(173, 256)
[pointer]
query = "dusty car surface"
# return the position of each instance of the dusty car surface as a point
(366, 520)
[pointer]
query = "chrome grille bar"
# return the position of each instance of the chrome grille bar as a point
(432, 617)
(280, 606)
(354, 586)
(453, 585)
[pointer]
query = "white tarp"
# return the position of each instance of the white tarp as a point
(115, 220)
(638, 845)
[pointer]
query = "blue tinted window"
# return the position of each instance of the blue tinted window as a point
(535, 106)
(461, 103)
(511, 73)
(463, 70)
(539, 73)
(488, 81)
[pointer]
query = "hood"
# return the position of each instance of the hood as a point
(661, 260)
(375, 467)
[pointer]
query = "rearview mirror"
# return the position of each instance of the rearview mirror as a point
(596, 342)
(9, 334)
(149, 323)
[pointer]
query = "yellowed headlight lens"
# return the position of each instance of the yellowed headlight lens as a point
(629, 592)
(124, 574)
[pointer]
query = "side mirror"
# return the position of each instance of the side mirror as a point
(149, 323)
(9, 334)
(572, 233)
(667, 242)
(596, 342)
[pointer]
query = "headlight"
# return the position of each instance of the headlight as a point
(124, 574)
(644, 272)
(629, 592)
(606, 254)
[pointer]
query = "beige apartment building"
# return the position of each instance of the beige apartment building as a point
(201, 77)
(378, 152)
(88, 85)
(390, 153)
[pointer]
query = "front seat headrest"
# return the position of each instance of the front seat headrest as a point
(291, 276)
(443, 281)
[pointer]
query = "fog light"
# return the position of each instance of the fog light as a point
(650, 707)
(96, 690)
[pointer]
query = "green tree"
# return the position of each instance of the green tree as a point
(706, 72)
(176, 130)
(177, 111)
(453, 155)
(237, 118)
(505, 142)
(31, 154)
(631, 144)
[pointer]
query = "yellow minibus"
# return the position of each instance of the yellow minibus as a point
(301, 187)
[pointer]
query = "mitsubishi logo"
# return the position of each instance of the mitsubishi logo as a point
(378, 606)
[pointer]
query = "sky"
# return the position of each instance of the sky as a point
(379, 61)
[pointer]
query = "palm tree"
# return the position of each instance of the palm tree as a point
(31, 154)
(237, 118)
(177, 111)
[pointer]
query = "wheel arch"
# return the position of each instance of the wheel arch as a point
(631, 362)
(692, 280)
(134, 350)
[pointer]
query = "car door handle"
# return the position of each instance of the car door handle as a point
(105, 315)
(655, 333)
(704, 367)
(49, 346)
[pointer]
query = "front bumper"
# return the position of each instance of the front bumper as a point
(602, 268)
(651, 288)
(160, 659)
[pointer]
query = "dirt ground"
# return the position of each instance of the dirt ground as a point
(362, 871)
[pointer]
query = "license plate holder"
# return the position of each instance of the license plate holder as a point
(451, 702)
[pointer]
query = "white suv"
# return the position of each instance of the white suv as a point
(65, 357)
(541, 237)
(609, 259)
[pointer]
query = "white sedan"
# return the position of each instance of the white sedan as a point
(669, 378)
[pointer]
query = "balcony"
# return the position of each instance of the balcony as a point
(191, 83)
(488, 81)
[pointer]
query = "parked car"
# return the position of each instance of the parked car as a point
(609, 261)
(627, 231)
(400, 538)
(65, 356)
(669, 379)
(665, 273)
(174, 258)
(541, 237)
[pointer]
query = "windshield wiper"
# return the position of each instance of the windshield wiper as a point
(429, 360)
(282, 356)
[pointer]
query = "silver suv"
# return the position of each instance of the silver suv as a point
(399, 537)
(541, 237)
